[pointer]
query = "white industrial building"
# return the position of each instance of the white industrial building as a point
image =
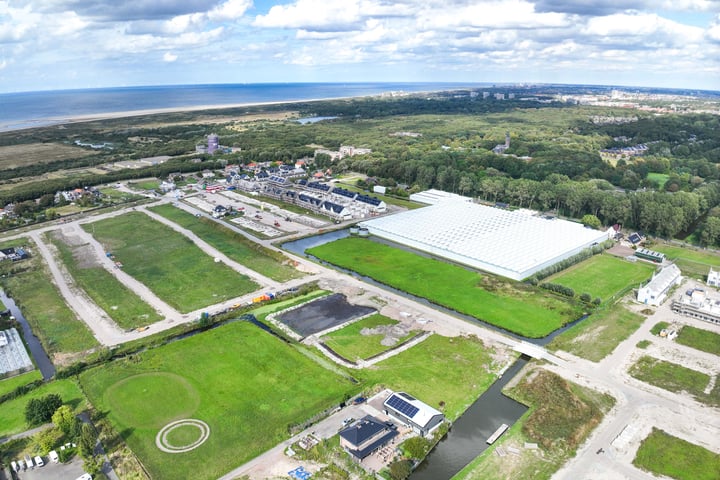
(655, 291)
(514, 244)
(412, 412)
(13, 356)
(713, 278)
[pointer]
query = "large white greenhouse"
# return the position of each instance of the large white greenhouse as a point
(514, 244)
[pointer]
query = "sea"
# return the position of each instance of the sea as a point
(42, 108)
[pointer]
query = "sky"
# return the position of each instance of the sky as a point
(61, 44)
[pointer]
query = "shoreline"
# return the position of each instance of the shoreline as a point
(91, 117)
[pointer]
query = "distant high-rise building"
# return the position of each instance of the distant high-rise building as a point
(499, 96)
(486, 94)
(511, 95)
(213, 143)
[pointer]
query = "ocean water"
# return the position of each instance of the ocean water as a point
(30, 109)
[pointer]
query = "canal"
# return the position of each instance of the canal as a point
(39, 356)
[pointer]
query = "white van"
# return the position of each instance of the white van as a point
(29, 461)
(39, 461)
(53, 456)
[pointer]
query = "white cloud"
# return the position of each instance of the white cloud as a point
(312, 14)
(169, 57)
(229, 10)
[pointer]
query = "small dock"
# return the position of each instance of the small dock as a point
(501, 429)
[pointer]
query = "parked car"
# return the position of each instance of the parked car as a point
(53, 456)
(84, 476)
(39, 461)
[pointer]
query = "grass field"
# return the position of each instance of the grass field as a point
(12, 412)
(246, 384)
(7, 385)
(438, 369)
(169, 263)
(603, 276)
(57, 327)
(700, 339)
(506, 304)
(145, 185)
(121, 304)
(660, 178)
(351, 344)
(663, 454)
(691, 261)
(675, 378)
(272, 264)
(13, 156)
(561, 416)
(597, 336)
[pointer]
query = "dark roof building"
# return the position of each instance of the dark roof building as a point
(366, 436)
(418, 415)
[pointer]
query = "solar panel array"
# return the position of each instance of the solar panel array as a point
(334, 207)
(367, 199)
(318, 186)
(402, 406)
(343, 192)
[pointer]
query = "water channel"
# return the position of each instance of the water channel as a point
(40, 357)
(467, 437)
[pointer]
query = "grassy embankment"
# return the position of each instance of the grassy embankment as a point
(597, 336)
(699, 339)
(7, 385)
(12, 412)
(663, 454)
(169, 263)
(246, 252)
(675, 378)
(603, 276)
(57, 327)
(561, 416)
(510, 305)
(692, 262)
(119, 302)
(350, 343)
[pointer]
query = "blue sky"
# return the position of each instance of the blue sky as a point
(57, 44)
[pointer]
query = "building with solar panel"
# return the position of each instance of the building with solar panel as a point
(366, 436)
(513, 244)
(420, 416)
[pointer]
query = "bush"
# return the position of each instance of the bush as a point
(585, 297)
(416, 447)
(400, 469)
(557, 288)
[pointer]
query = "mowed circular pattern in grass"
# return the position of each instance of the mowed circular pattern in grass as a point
(182, 436)
(150, 400)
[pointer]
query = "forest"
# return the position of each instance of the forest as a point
(552, 164)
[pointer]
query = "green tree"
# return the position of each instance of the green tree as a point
(64, 419)
(416, 447)
(47, 439)
(40, 410)
(88, 439)
(590, 220)
(400, 469)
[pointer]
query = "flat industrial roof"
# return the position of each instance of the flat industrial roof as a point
(514, 244)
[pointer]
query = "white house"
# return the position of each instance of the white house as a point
(655, 291)
(713, 278)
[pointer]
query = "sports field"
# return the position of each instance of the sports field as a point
(246, 384)
(510, 305)
(603, 276)
(272, 264)
(352, 343)
(171, 265)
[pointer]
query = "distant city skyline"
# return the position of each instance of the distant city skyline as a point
(66, 44)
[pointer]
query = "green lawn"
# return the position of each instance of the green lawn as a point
(121, 304)
(57, 327)
(438, 369)
(272, 264)
(170, 264)
(597, 336)
(9, 384)
(351, 344)
(660, 178)
(145, 185)
(12, 412)
(700, 339)
(561, 416)
(510, 305)
(693, 262)
(663, 454)
(603, 276)
(673, 377)
(248, 386)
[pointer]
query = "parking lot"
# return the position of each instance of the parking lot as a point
(54, 471)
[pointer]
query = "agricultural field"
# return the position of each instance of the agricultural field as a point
(603, 276)
(597, 336)
(12, 412)
(7, 385)
(439, 370)
(510, 305)
(246, 252)
(119, 302)
(693, 262)
(57, 327)
(699, 339)
(351, 343)
(171, 265)
(263, 382)
(675, 378)
(561, 416)
(665, 455)
(13, 156)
